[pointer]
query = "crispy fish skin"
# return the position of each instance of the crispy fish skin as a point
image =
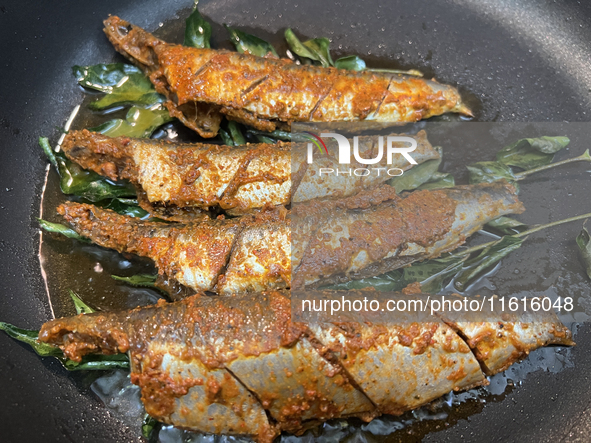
(237, 179)
(193, 360)
(262, 92)
(316, 243)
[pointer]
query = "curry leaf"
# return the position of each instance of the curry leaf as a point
(412, 72)
(350, 62)
(434, 274)
(236, 133)
(265, 139)
(97, 363)
(81, 307)
(58, 228)
(83, 183)
(438, 180)
(122, 84)
(226, 137)
(30, 337)
(89, 184)
(138, 123)
(531, 153)
(488, 172)
(316, 49)
(148, 425)
(416, 176)
(44, 143)
(486, 260)
(584, 244)
(250, 44)
(277, 134)
(391, 281)
(140, 280)
(197, 30)
(507, 225)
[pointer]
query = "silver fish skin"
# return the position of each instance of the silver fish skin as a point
(203, 84)
(184, 177)
(315, 243)
(240, 366)
(353, 244)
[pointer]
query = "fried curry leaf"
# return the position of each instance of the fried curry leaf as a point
(250, 44)
(139, 123)
(529, 153)
(30, 337)
(148, 425)
(584, 244)
(392, 281)
(226, 137)
(97, 363)
(122, 84)
(486, 261)
(434, 274)
(350, 62)
(139, 280)
(489, 172)
(316, 49)
(416, 176)
(279, 135)
(236, 133)
(507, 225)
(197, 30)
(58, 228)
(438, 180)
(88, 184)
(412, 72)
(265, 139)
(81, 307)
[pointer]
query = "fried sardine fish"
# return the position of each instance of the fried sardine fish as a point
(175, 180)
(241, 366)
(202, 85)
(314, 243)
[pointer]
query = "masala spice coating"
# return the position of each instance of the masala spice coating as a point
(201, 85)
(239, 365)
(237, 179)
(315, 243)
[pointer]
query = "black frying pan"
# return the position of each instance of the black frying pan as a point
(524, 61)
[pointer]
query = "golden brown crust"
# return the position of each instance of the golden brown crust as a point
(316, 243)
(204, 351)
(263, 91)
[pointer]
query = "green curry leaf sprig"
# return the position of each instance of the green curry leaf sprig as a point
(461, 268)
(532, 155)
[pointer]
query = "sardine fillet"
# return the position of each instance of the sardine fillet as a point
(216, 364)
(315, 243)
(264, 91)
(237, 179)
